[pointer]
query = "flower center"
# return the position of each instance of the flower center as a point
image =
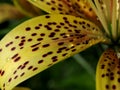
(108, 12)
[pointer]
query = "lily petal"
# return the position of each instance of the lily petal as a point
(55, 6)
(83, 8)
(41, 42)
(21, 88)
(80, 8)
(108, 71)
(27, 8)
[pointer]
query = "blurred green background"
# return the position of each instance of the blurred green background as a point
(66, 75)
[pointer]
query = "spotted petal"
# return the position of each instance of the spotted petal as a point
(27, 8)
(73, 7)
(108, 71)
(83, 9)
(55, 6)
(41, 42)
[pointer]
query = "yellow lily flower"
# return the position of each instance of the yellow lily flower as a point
(43, 41)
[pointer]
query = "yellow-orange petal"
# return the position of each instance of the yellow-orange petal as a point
(21, 88)
(108, 71)
(27, 8)
(41, 42)
(55, 6)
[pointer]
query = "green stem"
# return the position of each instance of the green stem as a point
(84, 64)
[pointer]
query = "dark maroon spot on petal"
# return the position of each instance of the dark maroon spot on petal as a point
(13, 48)
(52, 34)
(2, 73)
(60, 43)
(54, 23)
(30, 67)
(15, 72)
(37, 27)
(27, 28)
(53, 8)
(34, 69)
(40, 24)
(14, 56)
(54, 57)
(42, 34)
(62, 48)
(10, 80)
(33, 34)
(54, 60)
(49, 52)
(114, 87)
(55, 38)
(23, 37)
(35, 45)
(107, 86)
(35, 49)
(49, 65)
(22, 74)
(102, 66)
(56, 30)
(103, 75)
(19, 67)
(48, 3)
(44, 55)
(16, 37)
(58, 26)
(21, 47)
(23, 67)
(62, 34)
(26, 62)
(40, 61)
(75, 21)
(4, 85)
(8, 44)
(119, 80)
(29, 40)
(65, 18)
(73, 50)
(62, 23)
(111, 78)
(47, 16)
(17, 59)
(59, 51)
(64, 54)
(1, 50)
(22, 41)
(53, 2)
(16, 77)
(21, 44)
(46, 45)
(39, 39)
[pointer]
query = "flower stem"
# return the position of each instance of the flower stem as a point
(84, 64)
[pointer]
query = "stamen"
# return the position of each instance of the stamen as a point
(107, 10)
(118, 18)
(114, 19)
(97, 8)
